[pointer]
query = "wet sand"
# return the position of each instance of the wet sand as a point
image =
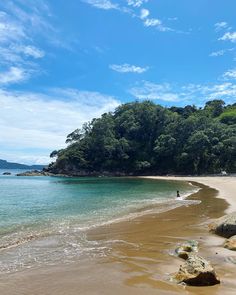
(140, 260)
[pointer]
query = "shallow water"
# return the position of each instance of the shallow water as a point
(44, 220)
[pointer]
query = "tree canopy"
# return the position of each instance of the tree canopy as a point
(142, 137)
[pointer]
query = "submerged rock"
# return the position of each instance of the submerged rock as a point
(231, 243)
(197, 271)
(186, 248)
(224, 226)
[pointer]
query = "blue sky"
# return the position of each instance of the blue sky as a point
(64, 62)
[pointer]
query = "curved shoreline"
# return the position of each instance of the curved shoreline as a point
(226, 185)
(143, 263)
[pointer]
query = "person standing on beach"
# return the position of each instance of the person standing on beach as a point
(178, 195)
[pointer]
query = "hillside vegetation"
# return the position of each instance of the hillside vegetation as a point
(145, 138)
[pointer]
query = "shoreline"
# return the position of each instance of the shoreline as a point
(141, 260)
(225, 185)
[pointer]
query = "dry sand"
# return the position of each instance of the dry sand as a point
(143, 261)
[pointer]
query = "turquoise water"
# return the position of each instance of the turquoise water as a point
(44, 220)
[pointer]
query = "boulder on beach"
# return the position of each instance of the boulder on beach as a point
(196, 271)
(224, 226)
(186, 248)
(231, 243)
(6, 173)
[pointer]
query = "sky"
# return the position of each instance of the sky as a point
(63, 63)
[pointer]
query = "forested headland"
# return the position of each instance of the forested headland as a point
(145, 138)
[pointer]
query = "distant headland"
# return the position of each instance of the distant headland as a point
(8, 165)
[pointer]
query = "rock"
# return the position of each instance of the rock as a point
(30, 173)
(231, 243)
(196, 271)
(183, 254)
(6, 173)
(186, 248)
(34, 173)
(40, 173)
(224, 226)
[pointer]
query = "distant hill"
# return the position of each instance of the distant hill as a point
(8, 165)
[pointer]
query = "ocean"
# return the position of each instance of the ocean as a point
(45, 220)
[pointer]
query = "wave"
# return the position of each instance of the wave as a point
(20, 241)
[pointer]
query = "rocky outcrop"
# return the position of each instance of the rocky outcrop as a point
(6, 173)
(196, 271)
(40, 173)
(224, 226)
(75, 172)
(231, 243)
(35, 173)
(184, 250)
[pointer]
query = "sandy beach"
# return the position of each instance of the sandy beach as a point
(142, 260)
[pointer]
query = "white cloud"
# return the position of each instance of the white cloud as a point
(102, 4)
(152, 91)
(127, 68)
(231, 74)
(29, 50)
(34, 124)
(8, 56)
(221, 25)
(144, 13)
(10, 30)
(217, 53)
(17, 64)
(20, 22)
(136, 3)
(221, 52)
(13, 75)
(229, 37)
(152, 22)
(191, 93)
(225, 91)
(29, 15)
(222, 91)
